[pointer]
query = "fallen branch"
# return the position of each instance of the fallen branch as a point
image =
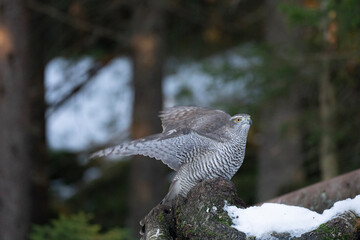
(323, 195)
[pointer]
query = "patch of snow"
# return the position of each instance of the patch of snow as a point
(171, 131)
(261, 221)
(214, 209)
(157, 232)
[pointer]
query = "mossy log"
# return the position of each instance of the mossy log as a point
(345, 226)
(201, 216)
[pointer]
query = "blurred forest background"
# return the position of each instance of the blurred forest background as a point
(79, 75)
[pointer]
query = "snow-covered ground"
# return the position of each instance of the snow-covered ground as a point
(261, 221)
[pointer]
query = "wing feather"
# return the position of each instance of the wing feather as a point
(172, 150)
(202, 120)
(187, 133)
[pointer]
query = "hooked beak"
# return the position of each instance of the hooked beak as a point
(249, 120)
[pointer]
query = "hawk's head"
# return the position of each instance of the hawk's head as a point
(240, 122)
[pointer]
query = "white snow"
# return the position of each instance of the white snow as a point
(171, 131)
(214, 209)
(157, 232)
(261, 221)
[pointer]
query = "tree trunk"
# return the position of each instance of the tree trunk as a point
(15, 165)
(280, 154)
(200, 216)
(148, 176)
(328, 157)
(39, 158)
(328, 153)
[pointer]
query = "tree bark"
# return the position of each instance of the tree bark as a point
(15, 156)
(199, 216)
(148, 176)
(323, 195)
(345, 226)
(38, 148)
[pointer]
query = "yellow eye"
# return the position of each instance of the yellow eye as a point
(238, 119)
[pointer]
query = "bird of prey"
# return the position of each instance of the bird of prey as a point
(199, 143)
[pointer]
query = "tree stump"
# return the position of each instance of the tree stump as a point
(201, 216)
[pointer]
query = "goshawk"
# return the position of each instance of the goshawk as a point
(198, 143)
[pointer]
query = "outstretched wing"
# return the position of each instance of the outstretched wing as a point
(187, 133)
(172, 150)
(149, 146)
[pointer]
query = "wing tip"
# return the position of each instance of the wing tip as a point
(97, 154)
(102, 153)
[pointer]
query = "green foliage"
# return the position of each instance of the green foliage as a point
(300, 15)
(349, 19)
(105, 197)
(344, 13)
(348, 13)
(75, 227)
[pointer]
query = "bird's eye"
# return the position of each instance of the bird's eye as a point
(238, 119)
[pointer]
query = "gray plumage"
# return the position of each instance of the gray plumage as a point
(198, 143)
